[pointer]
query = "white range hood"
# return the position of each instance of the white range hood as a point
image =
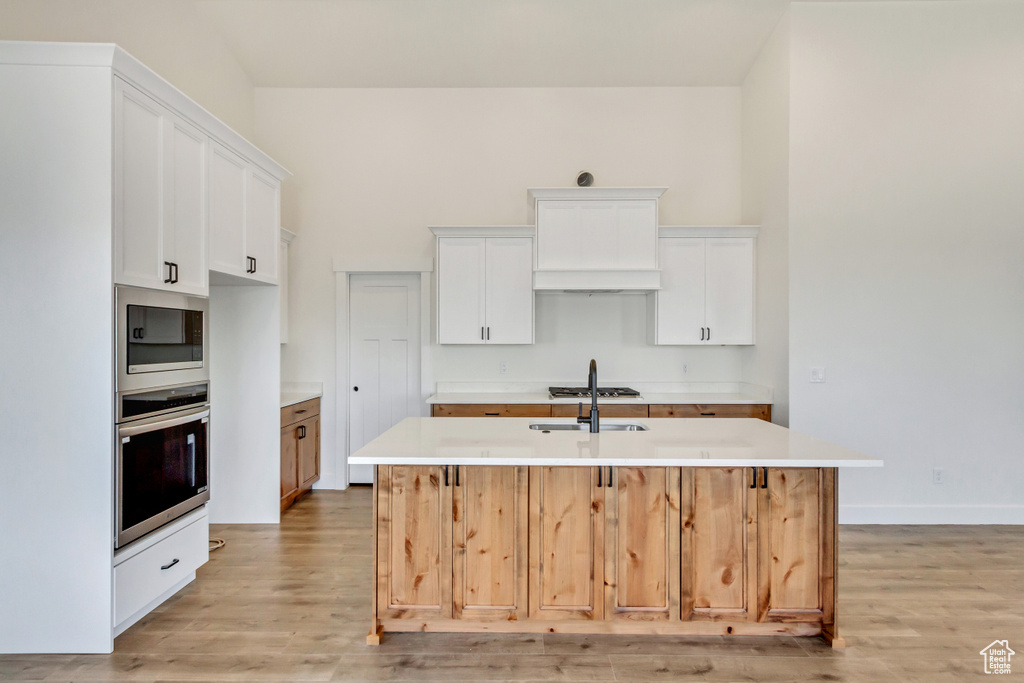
(596, 239)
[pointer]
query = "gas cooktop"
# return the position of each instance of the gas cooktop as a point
(584, 392)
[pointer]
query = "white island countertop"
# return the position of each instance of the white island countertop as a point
(668, 442)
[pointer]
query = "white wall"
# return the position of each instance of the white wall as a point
(169, 36)
(766, 203)
(374, 167)
(56, 360)
(906, 251)
(245, 405)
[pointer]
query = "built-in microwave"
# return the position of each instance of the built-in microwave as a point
(161, 338)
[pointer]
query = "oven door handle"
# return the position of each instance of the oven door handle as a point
(190, 441)
(163, 422)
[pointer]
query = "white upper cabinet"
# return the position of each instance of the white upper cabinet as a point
(707, 287)
(596, 238)
(159, 196)
(244, 217)
(484, 286)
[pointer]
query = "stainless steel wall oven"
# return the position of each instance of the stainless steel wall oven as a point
(163, 410)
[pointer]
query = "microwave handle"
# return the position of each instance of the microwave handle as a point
(156, 423)
(191, 442)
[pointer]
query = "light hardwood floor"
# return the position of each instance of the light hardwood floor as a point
(290, 603)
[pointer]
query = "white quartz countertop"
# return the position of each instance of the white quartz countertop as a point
(290, 398)
(538, 397)
(669, 442)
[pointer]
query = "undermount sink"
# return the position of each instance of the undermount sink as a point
(576, 427)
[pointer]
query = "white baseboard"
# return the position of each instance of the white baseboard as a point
(931, 514)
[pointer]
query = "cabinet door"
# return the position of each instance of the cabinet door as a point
(490, 517)
(680, 301)
(228, 177)
(566, 544)
(719, 542)
(309, 452)
(729, 299)
(289, 464)
(460, 290)
(792, 544)
(642, 544)
(262, 224)
(414, 546)
(509, 290)
(138, 189)
(185, 206)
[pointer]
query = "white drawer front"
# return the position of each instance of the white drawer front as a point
(141, 579)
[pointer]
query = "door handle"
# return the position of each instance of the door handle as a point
(709, 335)
(170, 278)
(488, 333)
(457, 476)
(702, 334)
(764, 482)
(446, 475)
(175, 272)
(481, 334)
(302, 431)
(609, 477)
(172, 563)
(753, 481)
(599, 471)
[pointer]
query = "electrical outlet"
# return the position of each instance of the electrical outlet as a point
(684, 368)
(939, 475)
(503, 367)
(817, 375)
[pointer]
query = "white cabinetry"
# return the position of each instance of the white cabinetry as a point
(484, 285)
(282, 275)
(244, 218)
(159, 196)
(596, 238)
(707, 287)
(149, 571)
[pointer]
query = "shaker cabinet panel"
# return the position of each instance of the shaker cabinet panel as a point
(485, 290)
(707, 292)
(262, 217)
(159, 196)
(228, 173)
(729, 296)
(509, 290)
(244, 218)
(461, 276)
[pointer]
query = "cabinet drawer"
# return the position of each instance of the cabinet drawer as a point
(141, 579)
(491, 410)
(300, 411)
(761, 411)
(605, 409)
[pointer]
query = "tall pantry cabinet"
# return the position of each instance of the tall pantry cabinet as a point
(104, 180)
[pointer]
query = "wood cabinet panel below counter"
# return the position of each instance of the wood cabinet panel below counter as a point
(300, 450)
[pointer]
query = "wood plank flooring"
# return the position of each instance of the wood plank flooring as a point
(290, 603)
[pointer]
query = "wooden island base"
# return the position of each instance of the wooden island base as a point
(602, 550)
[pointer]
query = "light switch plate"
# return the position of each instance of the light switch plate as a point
(817, 375)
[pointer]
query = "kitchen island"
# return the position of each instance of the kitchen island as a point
(692, 526)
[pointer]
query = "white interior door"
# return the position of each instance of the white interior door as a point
(384, 358)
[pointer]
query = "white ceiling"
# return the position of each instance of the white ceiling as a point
(494, 43)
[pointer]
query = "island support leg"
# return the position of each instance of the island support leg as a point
(830, 560)
(376, 630)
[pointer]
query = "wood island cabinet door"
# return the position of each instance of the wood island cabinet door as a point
(309, 453)
(289, 465)
(719, 544)
(642, 544)
(566, 544)
(795, 534)
(490, 513)
(414, 546)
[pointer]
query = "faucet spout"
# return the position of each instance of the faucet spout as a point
(594, 419)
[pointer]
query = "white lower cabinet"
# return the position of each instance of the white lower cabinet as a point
(707, 287)
(484, 287)
(145, 571)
